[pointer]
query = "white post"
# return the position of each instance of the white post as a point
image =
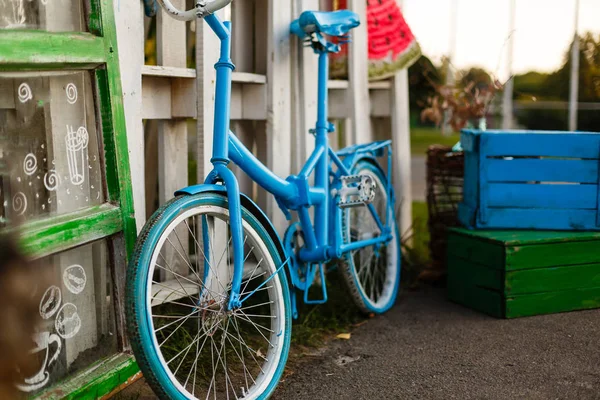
(507, 97)
(574, 86)
(450, 79)
(278, 99)
(129, 20)
(358, 76)
(402, 168)
(304, 75)
(207, 54)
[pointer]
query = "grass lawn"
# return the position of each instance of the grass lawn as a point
(422, 137)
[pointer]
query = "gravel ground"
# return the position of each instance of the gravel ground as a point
(428, 348)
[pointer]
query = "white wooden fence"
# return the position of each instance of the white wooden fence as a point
(274, 98)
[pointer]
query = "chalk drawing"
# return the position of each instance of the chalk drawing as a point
(71, 90)
(19, 203)
(67, 322)
(51, 180)
(77, 142)
(74, 279)
(43, 342)
(50, 303)
(25, 93)
(30, 164)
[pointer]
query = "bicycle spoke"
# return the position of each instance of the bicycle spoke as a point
(256, 305)
(171, 323)
(201, 285)
(256, 326)
(176, 278)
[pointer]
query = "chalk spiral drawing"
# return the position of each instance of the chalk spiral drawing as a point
(25, 93)
(30, 164)
(43, 342)
(19, 203)
(67, 322)
(51, 180)
(74, 279)
(50, 303)
(71, 90)
(77, 142)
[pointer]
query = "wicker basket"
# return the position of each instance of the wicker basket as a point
(445, 176)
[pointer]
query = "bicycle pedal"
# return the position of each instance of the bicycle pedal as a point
(356, 190)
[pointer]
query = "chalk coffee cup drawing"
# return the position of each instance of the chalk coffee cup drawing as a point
(77, 143)
(43, 341)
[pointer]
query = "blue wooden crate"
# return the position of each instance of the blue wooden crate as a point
(531, 180)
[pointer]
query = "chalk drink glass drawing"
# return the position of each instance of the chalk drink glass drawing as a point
(211, 287)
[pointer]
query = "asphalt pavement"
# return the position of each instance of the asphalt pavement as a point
(429, 348)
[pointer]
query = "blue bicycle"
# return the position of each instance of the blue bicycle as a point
(209, 305)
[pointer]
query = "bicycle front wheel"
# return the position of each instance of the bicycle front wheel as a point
(372, 273)
(187, 343)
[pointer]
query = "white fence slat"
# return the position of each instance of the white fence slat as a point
(279, 99)
(129, 20)
(402, 174)
(358, 76)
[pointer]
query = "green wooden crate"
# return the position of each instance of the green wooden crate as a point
(509, 274)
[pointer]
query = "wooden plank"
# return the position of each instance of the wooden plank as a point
(522, 237)
(402, 173)
(97, 381)
(552, 254)
(479, 299)
(172, 134)
(385, 85)
(337, 84)
(471, 179)
(305, 72)
(358, 76)
(381, 103)
(552, 279)
(478, 251)
(558, 196)
(169, 72)
(552, 302)
(35, 50)
(532, 144)
(254, 99)
(279, 99)
(183, 98)
(542, 170)
(338, 104)
(246, 77)
(53, 235)
(207, 54)
(475, 274)
(129, 21)
(156, 98)
(516, 218)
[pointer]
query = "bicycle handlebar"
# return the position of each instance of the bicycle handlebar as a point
(203, 8)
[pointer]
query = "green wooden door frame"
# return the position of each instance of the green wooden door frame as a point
(33, 50)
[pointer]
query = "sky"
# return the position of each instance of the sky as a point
(543, 31)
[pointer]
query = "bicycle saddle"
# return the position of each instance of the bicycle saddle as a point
(332, 23)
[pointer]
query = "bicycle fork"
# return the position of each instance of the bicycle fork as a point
(220, 159)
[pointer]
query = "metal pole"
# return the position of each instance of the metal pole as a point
(574, 92)
(507, 100)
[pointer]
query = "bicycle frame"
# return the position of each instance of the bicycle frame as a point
(294, 193)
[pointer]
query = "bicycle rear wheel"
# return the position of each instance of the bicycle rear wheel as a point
(186, 342)
(372, 273)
